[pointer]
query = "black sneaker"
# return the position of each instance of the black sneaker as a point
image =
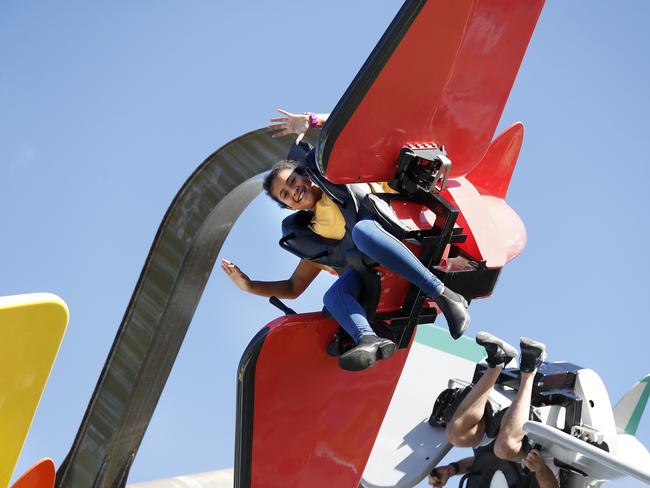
(370, 349)
(454, 308)
(498, 351)
(533, 354)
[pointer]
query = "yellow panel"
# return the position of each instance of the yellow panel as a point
(31, 330)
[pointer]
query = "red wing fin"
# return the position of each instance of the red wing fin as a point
(493, 174)
(442, 72)
(303, 421)
(40, 475)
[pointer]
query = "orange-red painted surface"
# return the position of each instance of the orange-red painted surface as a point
(315, 424)
(40, 475)
(495, 233)
(393, 290)
(446, 82)
(493, 174)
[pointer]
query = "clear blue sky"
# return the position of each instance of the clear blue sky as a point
(106, 109)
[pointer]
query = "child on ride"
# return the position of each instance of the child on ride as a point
(292, 188)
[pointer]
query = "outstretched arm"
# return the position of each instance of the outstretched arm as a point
(301, 278)
(295, 124)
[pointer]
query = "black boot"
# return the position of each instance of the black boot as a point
(366, 353)
(498, 351)
(454, 308)
(533, 354)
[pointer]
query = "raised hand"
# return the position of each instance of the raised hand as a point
(236, 275)
(291, 124)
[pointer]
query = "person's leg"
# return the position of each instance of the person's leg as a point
(342, 302)
(467, 426)
(508, 444)
(374, 241)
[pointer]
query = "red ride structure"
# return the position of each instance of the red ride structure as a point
(421, 113)
(423, 108)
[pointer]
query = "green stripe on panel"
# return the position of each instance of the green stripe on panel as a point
(635, 418)
(465, 347)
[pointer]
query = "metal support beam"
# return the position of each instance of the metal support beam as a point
(161, 308)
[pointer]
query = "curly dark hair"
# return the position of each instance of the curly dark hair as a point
(275, 169)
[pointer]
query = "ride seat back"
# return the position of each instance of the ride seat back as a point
(300, 240)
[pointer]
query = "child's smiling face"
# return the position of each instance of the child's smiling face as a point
(294, 189)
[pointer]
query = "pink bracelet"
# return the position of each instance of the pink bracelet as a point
(313, 120)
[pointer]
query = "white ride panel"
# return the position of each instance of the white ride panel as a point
(407, 447)
(597, 463)
(630, 408)
(211, 479)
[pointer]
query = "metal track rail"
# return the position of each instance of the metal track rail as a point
(161, 308)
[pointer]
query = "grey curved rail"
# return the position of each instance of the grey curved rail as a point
(161, 308)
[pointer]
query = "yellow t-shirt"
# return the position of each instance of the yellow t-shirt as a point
(328, 220)
(381, 187)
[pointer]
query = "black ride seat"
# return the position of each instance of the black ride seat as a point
(300, 240)
(357, 202)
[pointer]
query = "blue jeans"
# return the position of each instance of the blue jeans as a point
(374, 241)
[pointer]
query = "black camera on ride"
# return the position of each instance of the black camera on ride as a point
(421, 167)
